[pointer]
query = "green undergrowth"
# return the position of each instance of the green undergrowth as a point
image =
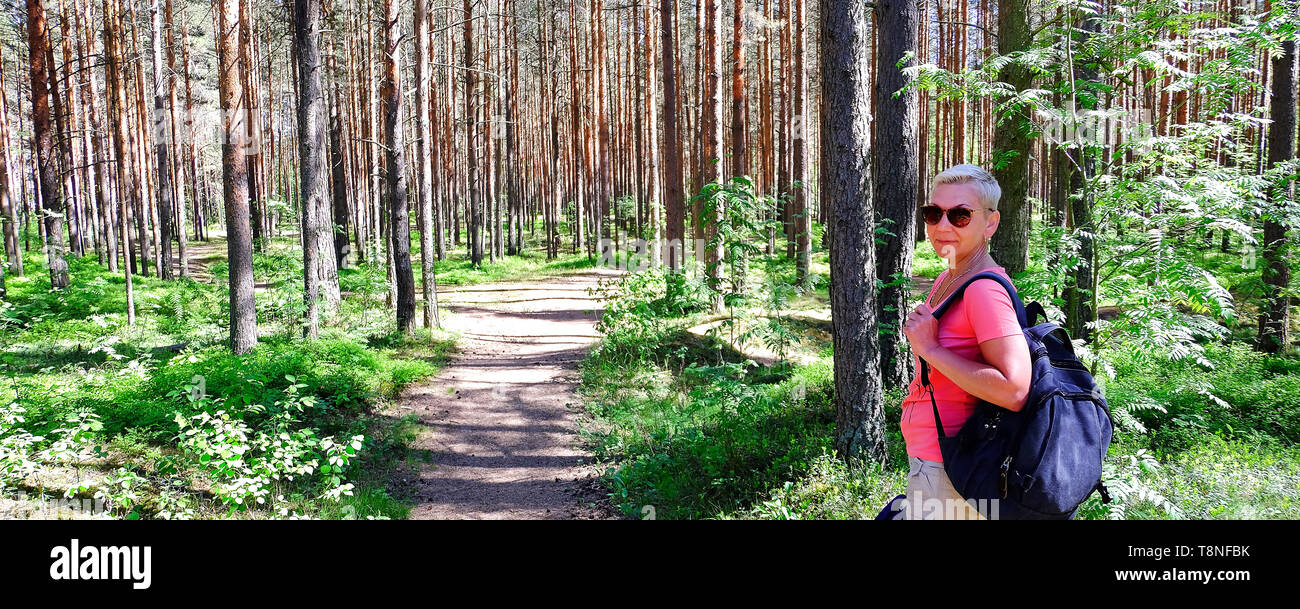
(457, 269)
(685, 423)
(161, 420)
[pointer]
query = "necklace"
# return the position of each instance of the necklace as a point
(951, 281)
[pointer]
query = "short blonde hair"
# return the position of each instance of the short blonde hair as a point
(984, 182)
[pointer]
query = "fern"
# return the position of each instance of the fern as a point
(1130, 490)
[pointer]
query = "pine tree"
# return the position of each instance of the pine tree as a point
(38, 39)
(235, 182)
(846, 189)
(395, 166)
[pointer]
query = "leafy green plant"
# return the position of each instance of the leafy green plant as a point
(732, 212)
(1133, 493)
(17, 446)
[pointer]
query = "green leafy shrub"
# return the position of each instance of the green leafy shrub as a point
(257, 464)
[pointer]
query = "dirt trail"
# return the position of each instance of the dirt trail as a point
(499, 419)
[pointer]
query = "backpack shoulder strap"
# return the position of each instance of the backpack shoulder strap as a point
(1035, 310)
(1021, 316)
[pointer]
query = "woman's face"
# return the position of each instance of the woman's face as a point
(952, 243)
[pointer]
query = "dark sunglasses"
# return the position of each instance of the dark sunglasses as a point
(957, 216)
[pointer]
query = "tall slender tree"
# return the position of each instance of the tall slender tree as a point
(162, 141)
(712, 149)
(1274, 320)
(738, 144)
(802, 216)
(1011, 143)
(38, 40)
(317, 222)
(9, 201)
(675, 227)
(896, 175)
(239, 236)
(424, 164)
(177, 171)
(115, 90)
(846, 189)
(395, 167)
(653, 188)
(472, 110)
(1080, 291)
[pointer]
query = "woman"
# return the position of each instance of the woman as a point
(975, 352)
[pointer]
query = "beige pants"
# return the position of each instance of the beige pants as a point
(930, 495)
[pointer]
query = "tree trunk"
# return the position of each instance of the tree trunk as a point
(177, 171)
(252, 122)
(317, 227)
(398, 208)
(1010, 244)
(799, 149)
(115, 90)
(712, 152)
(338, 174)
(424, 164)
(896, 177)
(784, 193)
(239, 236)
(161, 143)
(676, 225)
(1080, 292)
(191, 133)
(738, 167)
(8, 209)
(38, 38)
(475, 219)
(652, 141)
(846, 189)
(1274, 319)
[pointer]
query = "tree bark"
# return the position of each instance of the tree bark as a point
(475, 220)
(317, 226)
(115, 90)
(653, 187)
(802, 216)
(177, 170)
(424, 165)
(673, 203)
(1080, 292)
(712, 151)
(239, 236)
(38, 39)
(1010, 244)
(846, 189)
(338, 175)
(9, 210)
(399, 210)
(738, 165)
(896, 178)
(1274, 319)
(161, 142)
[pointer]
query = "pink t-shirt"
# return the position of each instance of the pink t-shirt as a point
(983, 313)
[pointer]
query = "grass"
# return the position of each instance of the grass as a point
(68, 357)
(457, 269)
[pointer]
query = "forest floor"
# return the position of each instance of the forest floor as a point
(498, 421)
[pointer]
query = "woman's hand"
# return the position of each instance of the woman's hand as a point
(922, 330)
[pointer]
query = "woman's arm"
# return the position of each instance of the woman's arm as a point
(1004, 381)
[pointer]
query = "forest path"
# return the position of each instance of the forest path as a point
(499, 419)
